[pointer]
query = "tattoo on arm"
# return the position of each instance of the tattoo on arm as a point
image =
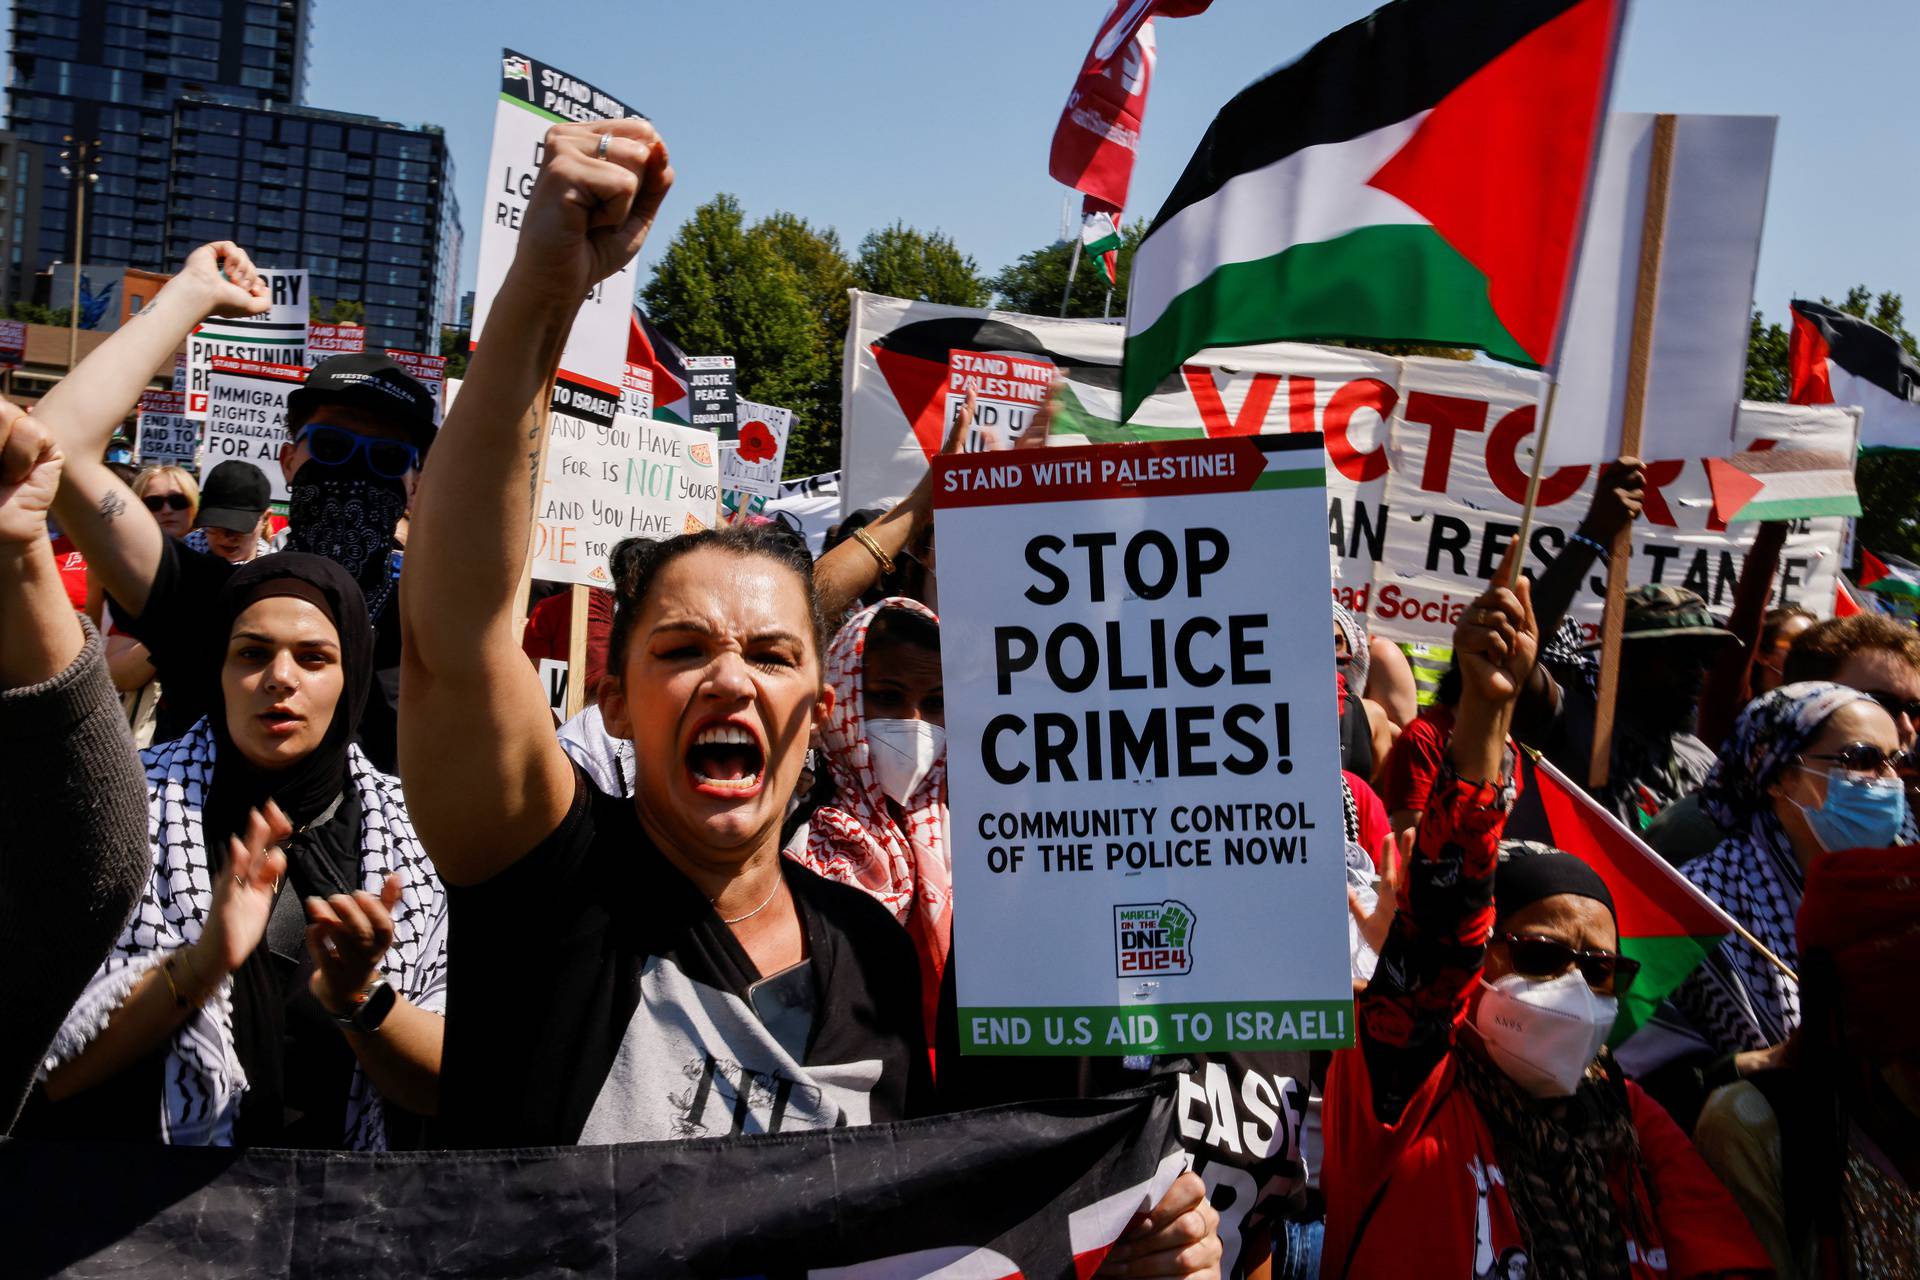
(533, 466)
(112, 507)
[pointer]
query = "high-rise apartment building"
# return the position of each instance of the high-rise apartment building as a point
(362, 203)
(112, 70)
(22, 174)
(198, 109)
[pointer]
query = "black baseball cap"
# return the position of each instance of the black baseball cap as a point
(369, 382)
(233, 497)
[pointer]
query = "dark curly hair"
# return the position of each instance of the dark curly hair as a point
(636, 563)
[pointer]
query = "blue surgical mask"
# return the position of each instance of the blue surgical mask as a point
(1859, 813)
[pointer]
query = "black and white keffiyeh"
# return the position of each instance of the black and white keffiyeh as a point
(204, 1081)
(1737, 999)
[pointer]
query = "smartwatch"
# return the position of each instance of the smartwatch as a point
(370, 1008)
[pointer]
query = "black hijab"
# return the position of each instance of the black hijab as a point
(306, 789)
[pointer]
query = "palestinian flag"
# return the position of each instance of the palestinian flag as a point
(1100, 236)
(1836, 358)
(652, 350)
(1889, 577)
(1666, 923)
(1782, 484)
(1420, 176)
(1844, 604)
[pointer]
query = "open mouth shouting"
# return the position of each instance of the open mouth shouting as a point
(281, 720)
(728, 760)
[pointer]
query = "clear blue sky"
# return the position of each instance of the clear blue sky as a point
(853, 113)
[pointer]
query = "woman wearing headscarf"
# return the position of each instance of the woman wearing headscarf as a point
(1824, 1153)
(885, 829)
(204, 1026)
(1808, 768)
(1480, 1128)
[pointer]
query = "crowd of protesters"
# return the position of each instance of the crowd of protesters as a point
(295, 854)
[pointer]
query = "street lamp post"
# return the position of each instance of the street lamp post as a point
(77, 162)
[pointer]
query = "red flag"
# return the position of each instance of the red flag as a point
(1807, 362)
(1099, 130)
(1844, 605)
(1665, 922)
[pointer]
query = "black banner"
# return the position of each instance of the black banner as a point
(1009, 1190)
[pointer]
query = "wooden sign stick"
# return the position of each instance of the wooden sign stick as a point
(1653, 234)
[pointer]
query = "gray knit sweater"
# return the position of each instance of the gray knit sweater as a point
(74, 856)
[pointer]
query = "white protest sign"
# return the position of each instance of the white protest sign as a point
(324, 340)
(164, 434)
(247, 415)
(753, 468)
(630, 479)
(278, 337)
(1008, 391)
(533, 97)
(1143, 759)
(810, 504)
(1716, 203)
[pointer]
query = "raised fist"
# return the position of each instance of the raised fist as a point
(600, 187)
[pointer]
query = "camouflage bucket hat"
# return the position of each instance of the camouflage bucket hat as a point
(1659, 613)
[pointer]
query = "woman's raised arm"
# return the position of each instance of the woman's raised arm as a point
(486, 779)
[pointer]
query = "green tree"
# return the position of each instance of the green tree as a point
(38, 313)
(1889, 480)
(905, 262)
(721, 289)
(339, 311)
(824, 276)
(453, 345)
(1036, 283)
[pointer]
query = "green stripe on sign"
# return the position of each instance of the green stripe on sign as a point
(542, 112)
(1377, 284)
(1111, 1030)
(258, 342)
(1303, 478)
(1840, 504)
(1665, 963)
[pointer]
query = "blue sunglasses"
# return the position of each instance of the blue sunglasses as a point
(332, 446)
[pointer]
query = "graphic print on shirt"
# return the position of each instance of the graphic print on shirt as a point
(1241, 1120)
(696, 1062)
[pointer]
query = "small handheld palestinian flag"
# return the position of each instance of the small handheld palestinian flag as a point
(1666, 923)
(651, 350)
(1836, 358)
(1782, 484)
(1891, 576)
(1100, 238)
(1420, 176)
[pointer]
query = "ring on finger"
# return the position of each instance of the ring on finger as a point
(600, 151)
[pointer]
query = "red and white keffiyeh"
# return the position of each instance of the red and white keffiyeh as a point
(856, 839)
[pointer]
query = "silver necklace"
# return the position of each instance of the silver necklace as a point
(777, 881)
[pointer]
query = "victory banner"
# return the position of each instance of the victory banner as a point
(163, 434)
(278, 337)
(247, 415)
(629, 479)
(1143, 756)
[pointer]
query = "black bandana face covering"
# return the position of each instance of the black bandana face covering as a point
(347, 514)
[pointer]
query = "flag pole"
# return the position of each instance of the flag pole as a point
(1653, 234)
(1533, 482)
(576, 651)
(1759, 946)
(1106, 308)
(1073, 268)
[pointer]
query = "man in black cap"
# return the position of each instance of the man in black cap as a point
(232, 521)
(358, 429)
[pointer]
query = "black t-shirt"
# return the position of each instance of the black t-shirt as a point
(593, 995)
(183, 642)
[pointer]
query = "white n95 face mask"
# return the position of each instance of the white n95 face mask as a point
(903, 753)
(1544, 1035)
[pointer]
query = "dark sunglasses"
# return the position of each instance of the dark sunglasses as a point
(335, 446)
(1896, 707)
(158, 502)
(1859, 757)
(1538, 957)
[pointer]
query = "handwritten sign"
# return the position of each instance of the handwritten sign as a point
(753, 467)
(629, 479)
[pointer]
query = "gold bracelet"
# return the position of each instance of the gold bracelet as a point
(865, 539)
(166, 971)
